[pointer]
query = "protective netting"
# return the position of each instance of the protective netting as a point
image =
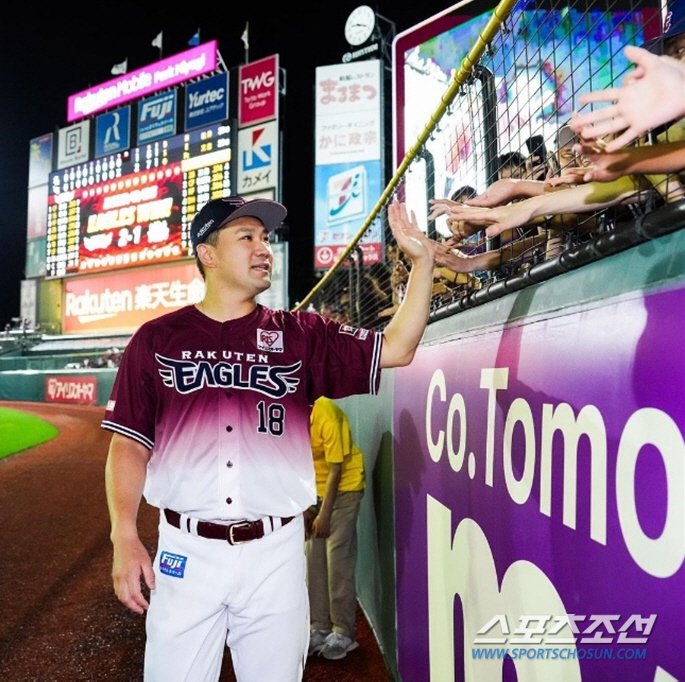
(507, 98)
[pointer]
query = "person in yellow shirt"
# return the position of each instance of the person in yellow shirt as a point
(331, 532)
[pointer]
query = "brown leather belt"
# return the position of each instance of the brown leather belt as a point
(233, 533)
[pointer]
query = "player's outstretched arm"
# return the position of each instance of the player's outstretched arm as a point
(650, 95)
(124, 481)
(402, 335)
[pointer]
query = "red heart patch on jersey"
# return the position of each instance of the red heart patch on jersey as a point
(269, 338)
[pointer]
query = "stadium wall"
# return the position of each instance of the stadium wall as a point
(600, 343)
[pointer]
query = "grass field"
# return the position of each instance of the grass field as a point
(19, 431)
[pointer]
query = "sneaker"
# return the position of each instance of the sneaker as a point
(317, 638)
(337, 646)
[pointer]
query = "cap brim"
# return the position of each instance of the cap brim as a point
(656, 45)
(271, 213)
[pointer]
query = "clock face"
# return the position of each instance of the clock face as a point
(359, 25)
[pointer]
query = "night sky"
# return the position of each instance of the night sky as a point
(52, 52)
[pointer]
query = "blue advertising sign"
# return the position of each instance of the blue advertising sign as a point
(113, 132)
(157, 117)
(207, 101)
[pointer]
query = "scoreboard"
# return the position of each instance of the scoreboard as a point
(135, 207)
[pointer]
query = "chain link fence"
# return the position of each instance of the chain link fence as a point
(512, 78)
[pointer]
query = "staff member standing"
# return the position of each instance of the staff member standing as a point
(332, 541)
(210, 418)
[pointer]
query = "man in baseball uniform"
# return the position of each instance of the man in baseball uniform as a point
(210, 419)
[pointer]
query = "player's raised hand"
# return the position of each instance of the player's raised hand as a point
(409, 237)
(132, 564)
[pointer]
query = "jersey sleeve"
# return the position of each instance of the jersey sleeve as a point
(131, 408)
(343, 360)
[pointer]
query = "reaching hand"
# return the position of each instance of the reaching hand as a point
(569, 176)
(650, 95)
(440, 207)
(664, 157)
(454, 259)
(495, 220)
(499, 193)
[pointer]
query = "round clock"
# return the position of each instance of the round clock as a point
(359, 25)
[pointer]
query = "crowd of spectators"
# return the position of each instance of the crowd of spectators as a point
(108, 359)
(605, 163)
(603, 169)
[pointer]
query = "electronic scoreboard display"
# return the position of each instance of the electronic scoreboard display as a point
(135, 207)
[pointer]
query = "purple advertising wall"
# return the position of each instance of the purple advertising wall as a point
(540, 498)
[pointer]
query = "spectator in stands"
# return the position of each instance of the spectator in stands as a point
(510, 186)
(537, 162)
(463, 194)
(511, 165)
(331, 532)
(583, 198)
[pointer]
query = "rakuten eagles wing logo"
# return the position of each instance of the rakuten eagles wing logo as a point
(270, 340)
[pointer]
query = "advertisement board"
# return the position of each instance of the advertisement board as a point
(258, 91)
(258, 160)
(157, 117)
(539, 484)
(349, 170)
(121, 302)
(349, 193)
(144, 81)
(113, 132)
(75, 389)
(206, 101)
(73, 144)
(40, 159)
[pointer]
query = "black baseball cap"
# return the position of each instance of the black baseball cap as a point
(217, 212)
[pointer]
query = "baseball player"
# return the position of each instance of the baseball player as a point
(210, 419)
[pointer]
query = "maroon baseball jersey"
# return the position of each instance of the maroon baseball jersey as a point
(225, 407)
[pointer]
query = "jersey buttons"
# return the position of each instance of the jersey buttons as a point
(229, 428)
(229, 500)
(229, 464)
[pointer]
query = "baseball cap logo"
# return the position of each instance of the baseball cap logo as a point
(204, 228)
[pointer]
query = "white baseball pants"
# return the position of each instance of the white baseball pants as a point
(251, 596)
